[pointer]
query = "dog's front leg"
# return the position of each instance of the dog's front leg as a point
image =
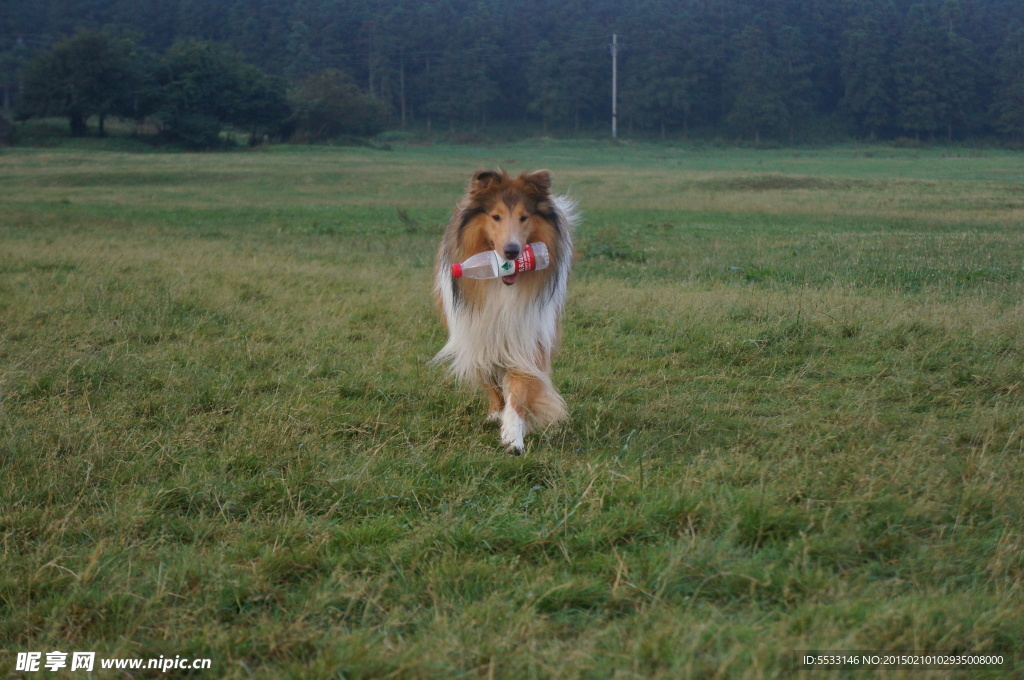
(513, 430)
(495, 400)
(518, 390)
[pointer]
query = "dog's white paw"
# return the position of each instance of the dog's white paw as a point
(513, 430)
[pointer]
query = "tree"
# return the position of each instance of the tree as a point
(89, 74)
(559, 88)
(201, 87)
(797, 89)
(756, 83)
(12, 60)
(958, 89)
(659, 84)
(566, 80)
(867, 72)
(753, 67)
(329, 104)
(301, 60)
(919, 73)
(463, 87)
(1008, 105)
(547, 98)
(262, 107)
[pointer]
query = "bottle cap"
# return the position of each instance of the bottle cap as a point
(456, 270)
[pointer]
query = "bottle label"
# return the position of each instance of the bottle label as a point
(526, 262)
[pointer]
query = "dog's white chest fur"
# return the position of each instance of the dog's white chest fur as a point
(504, 331)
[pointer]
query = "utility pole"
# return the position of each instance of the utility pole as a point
(401, 88)
(615, 84)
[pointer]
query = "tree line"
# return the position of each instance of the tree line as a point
(786, 70)
(192, 93)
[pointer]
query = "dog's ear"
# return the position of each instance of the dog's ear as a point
(538, 180)
(483, 180)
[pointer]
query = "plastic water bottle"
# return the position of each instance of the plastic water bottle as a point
(490, 264)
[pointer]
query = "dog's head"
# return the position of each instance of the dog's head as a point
(508, 213)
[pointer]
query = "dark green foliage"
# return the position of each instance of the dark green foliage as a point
(201, 87)
(935, 71)
(789, 70)
(329, 105)
(90, 74)
(918, 74)
(463, 89)
(1008, 107)
(566, 85)
(262, 107)
(867, 70)
(662, 87)
(13, 57)
(960, 70)
(756, 85)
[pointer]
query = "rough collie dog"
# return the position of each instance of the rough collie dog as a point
(503, 333)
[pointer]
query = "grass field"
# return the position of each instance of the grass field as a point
(797, 404)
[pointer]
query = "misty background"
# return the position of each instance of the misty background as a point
(752, 71)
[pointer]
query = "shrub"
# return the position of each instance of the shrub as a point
(329, 105)
(202, 87)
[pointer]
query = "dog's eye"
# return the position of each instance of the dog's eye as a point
(496, 218)
(524, 218)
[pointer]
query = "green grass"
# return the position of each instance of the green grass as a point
(795, 383)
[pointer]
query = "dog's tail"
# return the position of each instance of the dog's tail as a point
(535, 398)
(547, 408)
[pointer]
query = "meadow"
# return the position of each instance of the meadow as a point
(795, 383)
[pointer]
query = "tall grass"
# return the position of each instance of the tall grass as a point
(795, 385)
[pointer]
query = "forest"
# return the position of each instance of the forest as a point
(779, 71)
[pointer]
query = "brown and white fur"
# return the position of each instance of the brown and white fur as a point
(503, 333)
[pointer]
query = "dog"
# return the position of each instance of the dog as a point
(503, 333)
